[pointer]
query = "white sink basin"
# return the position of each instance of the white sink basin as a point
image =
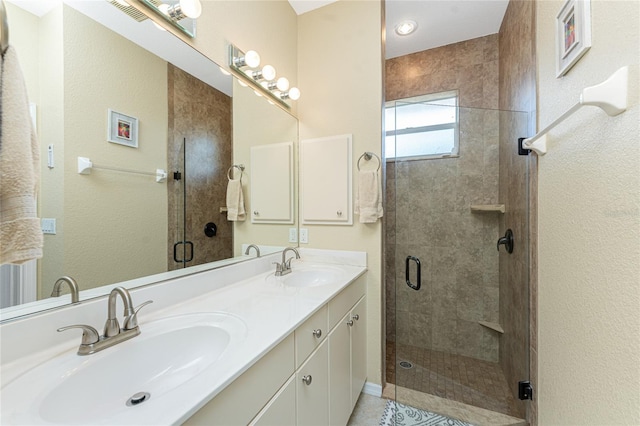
(72, 390)
(309, 276)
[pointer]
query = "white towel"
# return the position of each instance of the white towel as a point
(20, 232)
(369, 196)
(235, 201)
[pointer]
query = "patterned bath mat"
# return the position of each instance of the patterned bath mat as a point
(396, 414)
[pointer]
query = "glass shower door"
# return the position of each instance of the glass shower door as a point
(459, 329)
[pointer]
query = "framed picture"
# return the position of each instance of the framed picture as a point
(573, 34)
(122, 129)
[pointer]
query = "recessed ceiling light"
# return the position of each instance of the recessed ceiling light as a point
(406, 27)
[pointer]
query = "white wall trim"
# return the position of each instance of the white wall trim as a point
(373, 389)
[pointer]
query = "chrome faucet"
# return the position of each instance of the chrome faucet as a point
(111, 327)
(92, 342)
(255, 247)
(284, 268)
(73, 287)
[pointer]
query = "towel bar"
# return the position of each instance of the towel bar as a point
(368, 156)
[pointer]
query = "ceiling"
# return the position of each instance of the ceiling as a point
(440, 22)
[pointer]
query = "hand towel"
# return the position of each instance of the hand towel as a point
(20, 232)
(235, 201)
(369, 196)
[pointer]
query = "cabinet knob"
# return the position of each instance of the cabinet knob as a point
(356, 317)
(339, 212)
(350, 323)
(317, 333)
(256, 213)
(307, 379)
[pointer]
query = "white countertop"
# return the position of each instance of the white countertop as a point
(269, 309)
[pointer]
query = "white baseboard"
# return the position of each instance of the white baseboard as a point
(372, 389)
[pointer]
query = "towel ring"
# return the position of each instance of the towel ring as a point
(236, 166)
(368, 156)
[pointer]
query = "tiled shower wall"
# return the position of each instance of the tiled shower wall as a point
(201, 115)
(428, 208)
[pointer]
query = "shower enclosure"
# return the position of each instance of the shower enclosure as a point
(457, 300)
(199, 156)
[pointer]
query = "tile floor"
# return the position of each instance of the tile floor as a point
(454, 377)
(368, 411)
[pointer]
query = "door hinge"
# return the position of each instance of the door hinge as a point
(525, 390)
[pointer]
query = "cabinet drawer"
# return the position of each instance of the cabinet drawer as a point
(306, 340)
(239, 402)
(343, 302)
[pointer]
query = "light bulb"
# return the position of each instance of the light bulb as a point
(252, 59)
(268, 72)
(191, 8)
(282, 84)
(164, 8)
(294, 93)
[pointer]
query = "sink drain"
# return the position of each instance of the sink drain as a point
(406, 364)
(138, 398)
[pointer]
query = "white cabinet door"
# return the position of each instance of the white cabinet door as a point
(358, 349)
(340, 373)
(272, 183)
(281, 410)
(325, 180)
(312, 384)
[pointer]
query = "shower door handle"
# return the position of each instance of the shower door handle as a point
(407, 275)
(175, 252)
(190, 244)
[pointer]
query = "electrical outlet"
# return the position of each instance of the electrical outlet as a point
(293, 235)
(304, 235)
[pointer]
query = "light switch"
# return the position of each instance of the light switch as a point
(48, 226)
(293, 235)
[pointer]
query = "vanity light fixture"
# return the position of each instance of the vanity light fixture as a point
(181, 10)
(245, 67)
(405, 28)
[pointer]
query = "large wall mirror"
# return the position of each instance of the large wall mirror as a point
(129, 96)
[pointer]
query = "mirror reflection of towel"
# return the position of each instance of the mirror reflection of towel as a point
(369, 196)
(20, 232)
(235, 201)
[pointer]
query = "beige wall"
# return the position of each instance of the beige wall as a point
(104, 210)
(51, 131)
(24, 39)
(340, 73)
(589, 230)
(256, 122)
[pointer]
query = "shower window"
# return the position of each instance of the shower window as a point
(422, 127)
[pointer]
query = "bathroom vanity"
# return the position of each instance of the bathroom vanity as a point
(232, 346)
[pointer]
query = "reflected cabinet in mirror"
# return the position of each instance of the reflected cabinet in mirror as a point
(132, 98)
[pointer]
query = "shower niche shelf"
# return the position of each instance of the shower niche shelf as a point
(488, 208)
(492, 325)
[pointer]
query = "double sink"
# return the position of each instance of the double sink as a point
(120, 384)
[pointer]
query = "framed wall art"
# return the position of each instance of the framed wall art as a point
(573, 34)
(122, 129)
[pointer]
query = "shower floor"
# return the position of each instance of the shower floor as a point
(454, 377)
